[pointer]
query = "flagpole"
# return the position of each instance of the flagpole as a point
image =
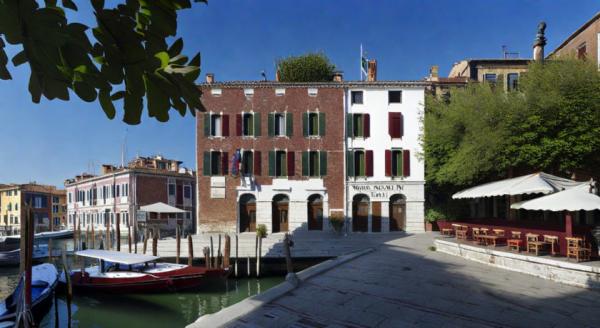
(360, 62)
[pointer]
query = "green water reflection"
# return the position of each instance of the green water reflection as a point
(143, 310)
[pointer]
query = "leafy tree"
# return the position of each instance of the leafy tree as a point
(483, 132)
(311, 67)
(126, 56)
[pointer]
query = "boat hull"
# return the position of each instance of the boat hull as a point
(176, 280)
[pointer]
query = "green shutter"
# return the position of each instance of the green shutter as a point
(271, 124)
(349, 128)
(350, 163)
(206, 164)
(322, 123)
(305, 124)
(271, 163)
(256, 125)
(323, 163)
(305, 170)
(289, 124)
(206, 124)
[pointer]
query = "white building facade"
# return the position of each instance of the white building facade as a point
(385, 187)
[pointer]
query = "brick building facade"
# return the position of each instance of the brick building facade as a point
(117, 194)
(278, 154)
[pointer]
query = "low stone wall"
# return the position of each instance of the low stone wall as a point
(575, 274)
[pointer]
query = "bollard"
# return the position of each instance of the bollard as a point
(178, 241)
(190, 251)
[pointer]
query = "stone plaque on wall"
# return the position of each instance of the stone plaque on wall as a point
(217, 187)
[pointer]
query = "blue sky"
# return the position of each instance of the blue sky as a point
(55, 140)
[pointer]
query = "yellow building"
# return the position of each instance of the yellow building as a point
(49, 207)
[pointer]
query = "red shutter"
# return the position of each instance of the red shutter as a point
(369, 160)
(238, 124)
(291, 164)
(224, 162)
(367, 126)
(406, 163)
(225, 127)
(395, 125)
(257, 163)
(388, 163)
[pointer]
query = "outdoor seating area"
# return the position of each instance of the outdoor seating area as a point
(517, 239)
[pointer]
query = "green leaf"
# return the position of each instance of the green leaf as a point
(84, 91)
(69, 4)
(98, 4)
(175, 48)
(20, 58)
(106, 103)
(158, 101)
(117, 95)
(133, 106)
(35, 89)
(163, 56)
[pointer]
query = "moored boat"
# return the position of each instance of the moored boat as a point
(136, 273)
(44, 278)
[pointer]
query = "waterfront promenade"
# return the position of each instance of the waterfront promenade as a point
(403, 283)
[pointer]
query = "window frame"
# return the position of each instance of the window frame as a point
(353, 100)
(390, 96)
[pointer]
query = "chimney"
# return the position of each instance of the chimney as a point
(277, 76)
(540, 42)
(372, 71)
(210, 77)
(434, 73)
(338, 76)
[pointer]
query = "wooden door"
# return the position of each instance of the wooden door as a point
(248, 217)
(397, 215)
(280, 216)
(376, 217)
(315, 214)
(360, 215)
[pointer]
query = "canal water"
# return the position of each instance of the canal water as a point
(141, 310)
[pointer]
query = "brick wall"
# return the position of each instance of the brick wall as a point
(220, 214)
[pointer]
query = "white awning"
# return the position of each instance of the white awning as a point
(574, 199)
(117, 257)
(535, 183)
(161, 208)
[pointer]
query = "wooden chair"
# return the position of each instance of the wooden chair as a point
(447, 232)
(475, 233)
(534, 244)
(576, 249)
(493, 238)
(552, 241)
(461, 232)
(515, 241)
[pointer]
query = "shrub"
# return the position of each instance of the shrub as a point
(311, 67)
(337, 221)
(261, 230)
(432, 215)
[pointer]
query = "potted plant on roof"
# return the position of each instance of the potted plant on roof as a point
(432, 215)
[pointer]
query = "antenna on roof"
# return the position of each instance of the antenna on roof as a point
(264, 75)
(124, 149)
(507, 54)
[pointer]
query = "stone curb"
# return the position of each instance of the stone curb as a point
(231, 313)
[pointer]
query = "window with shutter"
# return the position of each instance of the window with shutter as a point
(367, 126)
(395, 125)
(238, 125)
(291, 164)
(350, 163)
(323, 163)
(225, 128)
(271, 124)
(247, 162)
(281, 164)
(305, 124)
(305, 169)
(359, 163)
(257, 163)
(349, 125)
(216, 125)
(397, 163)
(272, 163)
(224, 163)
(207, 125)
(322, 124)
(388, 163)
(406, 162)
(369, 163)
(257, 129)
(289, 124)
(313, 124)
(358, 125)
(248, 125)
(279, 124)
(313, 163)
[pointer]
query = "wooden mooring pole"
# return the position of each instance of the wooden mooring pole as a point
(178, 243)
(145, 241)
(207, 261)
(129, 237)
(226, 252)
(154, 243)
(211, 252)
(118, 215)
(236, 255)
(190, 251)
(218, 259)
(93, 245)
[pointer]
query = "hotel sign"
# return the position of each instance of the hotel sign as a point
(378, 191)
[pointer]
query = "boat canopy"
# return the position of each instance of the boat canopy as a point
(161, 208)
(117, 257)
(580, 198)
(536, 183)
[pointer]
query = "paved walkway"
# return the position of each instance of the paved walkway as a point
(404, 284)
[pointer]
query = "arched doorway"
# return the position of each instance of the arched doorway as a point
(247, 213)
(397, 212)
(280, 209)
(315, 212)
(360, 213)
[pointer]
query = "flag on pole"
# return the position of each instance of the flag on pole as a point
(364, 64)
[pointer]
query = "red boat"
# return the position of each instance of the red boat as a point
(135, 273)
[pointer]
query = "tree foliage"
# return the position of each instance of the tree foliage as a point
(311, 67)
(550, 124)
(126, 56)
